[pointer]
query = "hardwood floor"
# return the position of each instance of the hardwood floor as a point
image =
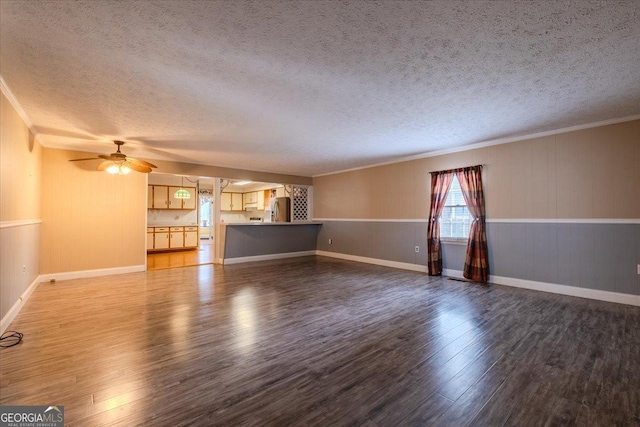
(174, 259)
(319, 341)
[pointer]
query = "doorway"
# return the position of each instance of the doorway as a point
(200, 219)
(205, 220)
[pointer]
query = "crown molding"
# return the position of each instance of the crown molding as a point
(6, 91)
(489, 143)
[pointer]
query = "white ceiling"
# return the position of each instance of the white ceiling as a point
(310, 87)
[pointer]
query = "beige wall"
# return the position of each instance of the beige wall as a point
(20, 165)
(21, 160)
(191, 169)
(592, 173)
(90, 220)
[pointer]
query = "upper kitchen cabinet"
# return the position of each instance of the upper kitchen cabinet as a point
(252, 200)
(161, 197)
(190, 203)
(231, 202)
(261, 196)
(149, 197)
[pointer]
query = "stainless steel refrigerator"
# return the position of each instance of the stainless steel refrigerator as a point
(280, 209)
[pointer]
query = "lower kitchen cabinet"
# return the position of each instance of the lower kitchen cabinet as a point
(161, 238)
(176, 237)
(190, 237)
(168, 238)
(149, 238)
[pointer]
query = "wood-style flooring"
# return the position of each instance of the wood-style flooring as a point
(320, 341)
(174, 259)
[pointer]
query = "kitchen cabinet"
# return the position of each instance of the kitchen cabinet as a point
(161, 197)
(225, 202)
(250, 197)
(261, 200)
(190, 237)
(164, 238)
(280, 192)
(191, 202)
(173, 202)
(176, 237)
(251, 200)
(236, 202)
(231, 202)
(150, 238)
(161, 238)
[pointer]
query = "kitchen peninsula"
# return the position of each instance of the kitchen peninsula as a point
(246, 242)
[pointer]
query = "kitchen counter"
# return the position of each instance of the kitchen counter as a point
(172, 225)
(256, 241)
(270, 223)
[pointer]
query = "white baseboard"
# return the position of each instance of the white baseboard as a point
(573, 291)
(15, 309)
(376, 261)
(240, 260)
(92, 273)
(458, 274)
(554, 288)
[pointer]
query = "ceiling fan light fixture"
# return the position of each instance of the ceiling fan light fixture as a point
(118, 163)
(116, 169)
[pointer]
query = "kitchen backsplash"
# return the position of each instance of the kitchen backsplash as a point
(179, 217)
(238, 217)
(169, 217)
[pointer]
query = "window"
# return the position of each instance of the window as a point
(455, 220)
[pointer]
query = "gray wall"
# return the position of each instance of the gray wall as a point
(393, 241)
(593, 256)
(254, 240)
(19, 247)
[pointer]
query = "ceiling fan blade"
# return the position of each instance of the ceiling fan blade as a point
(81, 160)
(105, 156)
(104, 165)
(141, 162)
(137, 167)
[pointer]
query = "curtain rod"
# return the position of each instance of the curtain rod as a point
(458, 169)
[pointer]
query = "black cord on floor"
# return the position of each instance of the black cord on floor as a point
(10, 338)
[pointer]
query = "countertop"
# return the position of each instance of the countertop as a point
(269, 223)
(172, 225)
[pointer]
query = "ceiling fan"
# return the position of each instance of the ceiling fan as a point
(118, 163)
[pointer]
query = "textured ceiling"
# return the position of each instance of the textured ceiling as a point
(310, 87)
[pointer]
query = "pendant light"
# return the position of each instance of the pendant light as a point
(181, 193)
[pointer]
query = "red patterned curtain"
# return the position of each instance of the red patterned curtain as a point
(440, 184)
(476, 264)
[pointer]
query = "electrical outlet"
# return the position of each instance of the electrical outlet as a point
(638, 268)
(24, 269)
(330, 241)
(417, 249)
